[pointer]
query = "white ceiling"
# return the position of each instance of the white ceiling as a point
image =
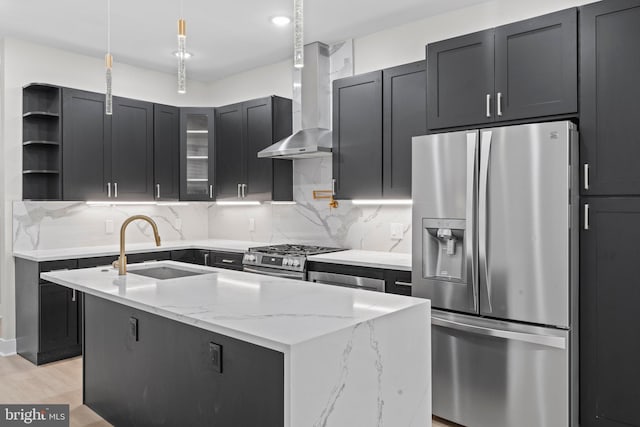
(225, 37)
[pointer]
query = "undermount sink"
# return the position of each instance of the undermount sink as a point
(163, 272)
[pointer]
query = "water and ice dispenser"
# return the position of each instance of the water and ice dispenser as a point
(443, 254)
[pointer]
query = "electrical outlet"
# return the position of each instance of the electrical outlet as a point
(252, 224)
(178, 224)
(108, 226)
(397, 231)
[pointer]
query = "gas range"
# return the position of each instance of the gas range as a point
(282, 260)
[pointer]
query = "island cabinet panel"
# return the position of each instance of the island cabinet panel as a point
(610, 98)
(141, 369)
(609, 316)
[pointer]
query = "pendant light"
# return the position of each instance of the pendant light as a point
(298, 39)
(108, 63)
(182, 51)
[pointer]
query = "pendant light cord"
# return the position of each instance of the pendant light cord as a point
(108, 26)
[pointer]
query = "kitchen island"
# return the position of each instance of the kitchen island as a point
(229, 348)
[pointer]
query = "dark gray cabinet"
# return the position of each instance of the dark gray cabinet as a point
(375, 115)
(403, 117)
(610, 97)
(132, 149)
(395, 281)
(48, 316)
(86, 158)
(106, 157)
(166, 152)
(197, 154)
(536, 67)
(242, 130)
(126, 374)
(460, 81)
(609, 316)
(523, 70)
(357, 136)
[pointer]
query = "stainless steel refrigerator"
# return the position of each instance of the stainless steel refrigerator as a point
(495, 249)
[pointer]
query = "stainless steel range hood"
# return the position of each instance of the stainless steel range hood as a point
(312, 137)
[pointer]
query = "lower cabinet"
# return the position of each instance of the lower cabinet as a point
(609, 315)
(144, 369)
(48, 316)
(228, 260)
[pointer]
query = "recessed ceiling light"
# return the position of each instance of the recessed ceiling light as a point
(280, 21)
(187, 55)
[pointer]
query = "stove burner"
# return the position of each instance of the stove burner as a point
(289, 249)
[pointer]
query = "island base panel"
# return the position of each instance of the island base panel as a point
(169, 375)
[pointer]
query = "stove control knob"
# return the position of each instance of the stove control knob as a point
(251, 258)
(296, 263)
(287, 261)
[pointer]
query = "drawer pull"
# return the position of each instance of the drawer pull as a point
(404, 284)
(228, 261)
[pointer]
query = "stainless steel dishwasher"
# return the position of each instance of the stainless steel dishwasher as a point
(346, 280)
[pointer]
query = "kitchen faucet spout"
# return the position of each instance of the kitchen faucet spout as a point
(121, 263)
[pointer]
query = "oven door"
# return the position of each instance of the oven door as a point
(299, 275)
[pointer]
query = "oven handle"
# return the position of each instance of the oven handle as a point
(287, 275)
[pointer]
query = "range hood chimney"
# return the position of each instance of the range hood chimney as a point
(312, 137)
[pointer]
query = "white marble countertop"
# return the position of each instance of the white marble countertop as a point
(273, 312)
(95, 251)
(375, 259)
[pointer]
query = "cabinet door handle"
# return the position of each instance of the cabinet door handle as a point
(404, 284)
(244, 190)
(211, 191)
(115, 190)
(206, 259)
(239, 185)
(333, 187)
(73, 296)
(109, 190)
(586, 176)
(499, 104)
(157, 191)
(586, 216)
(227, 261)
(488, 105)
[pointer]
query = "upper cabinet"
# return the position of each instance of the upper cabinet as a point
(106, 157)
(242, 130)
(523, 70)
(403, 117)
(197, 163)
(357, 136)
(86, 158)
(375, 115)
(609, 97)
(166, 152)
(132, 149)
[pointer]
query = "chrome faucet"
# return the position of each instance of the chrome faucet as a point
(121, 263)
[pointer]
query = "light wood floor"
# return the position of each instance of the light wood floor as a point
(58, 382)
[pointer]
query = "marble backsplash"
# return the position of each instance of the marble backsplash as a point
(53, 225)
(312, 221)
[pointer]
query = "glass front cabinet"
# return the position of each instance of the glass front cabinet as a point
(197, 154)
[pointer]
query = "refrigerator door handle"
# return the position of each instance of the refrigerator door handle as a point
(472, 185)
(545, 340)
(485, 152)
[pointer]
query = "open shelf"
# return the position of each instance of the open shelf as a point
(42, 142)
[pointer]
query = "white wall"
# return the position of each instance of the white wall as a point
(274, 79)
(25, 62)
